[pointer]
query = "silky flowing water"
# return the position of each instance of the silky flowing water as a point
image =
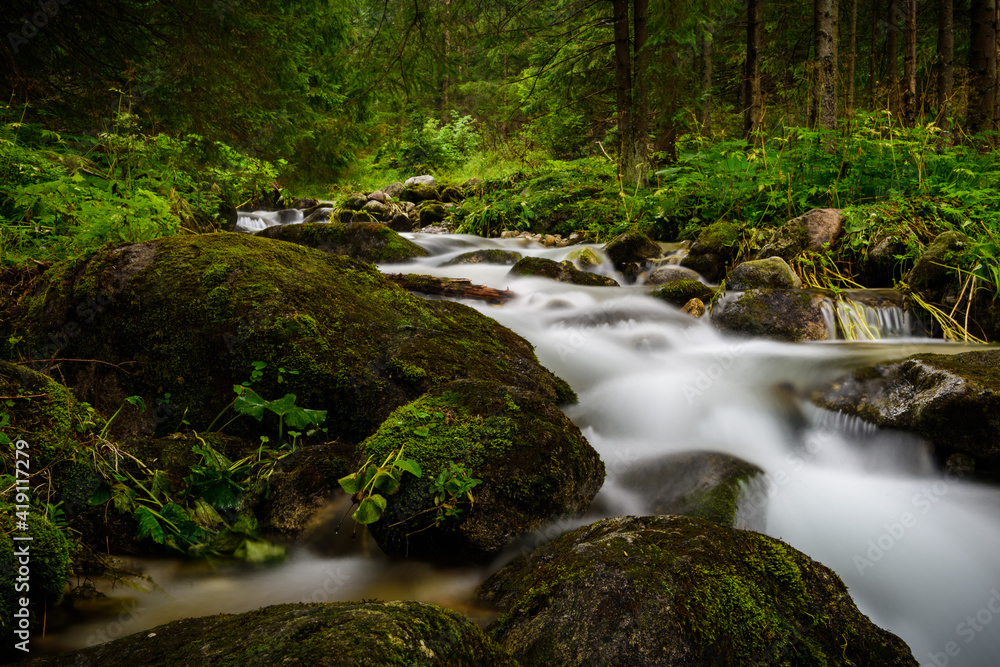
(919, 550)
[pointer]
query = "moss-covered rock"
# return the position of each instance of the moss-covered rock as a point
(354, 201)
(703, 485)
(952, 400)
(189, 316)
(365, 241)
(431, 213)
(679, 292)
(770, 272)
(812, 230)
(585, 258)
(631, 252)
(451, 194)
(781, 314)
(713, 250)
(341, 633)
(672, 590)
(487, 256)
(419, 192)
(34, 571)
(935, 271)
(565, 272)
(533, 462)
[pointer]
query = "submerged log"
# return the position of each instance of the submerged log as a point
(452, 287)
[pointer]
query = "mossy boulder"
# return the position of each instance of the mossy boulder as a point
(679, 292)
(671, 590)
(451, 194)
(188, 316)
(670, 273)
(713, 250)
(47, 416)
(935, 271)
(354, 201)
(952, 400)
(419, 192)
(585, 258)
(487, 256)
(781, 314)
(533, 462)
(812, 230)
(338, 634)
(631, 252)
(36, 571)
(565, 272)
(432, 213)
(703, 485)
(770, 272)
(366, 241)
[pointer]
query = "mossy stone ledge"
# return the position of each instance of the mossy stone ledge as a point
(366, 241)
(672, 591)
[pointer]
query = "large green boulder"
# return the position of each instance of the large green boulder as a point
(341, 634)
(533, 463)
(715, 248)
(186, 318)
(366, 241)
(671, 591)
(781, 314)
(770, 272)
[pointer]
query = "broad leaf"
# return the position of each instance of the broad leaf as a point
(351, 483)
(149, 525)
(386, 482)
(409, 466)
(370, 510)
(249, 403)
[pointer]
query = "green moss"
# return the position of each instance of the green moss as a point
(562, 271)
(679, 292)
(719, 237)
(533, 461)
(365, 241)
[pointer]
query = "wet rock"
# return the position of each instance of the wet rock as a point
(713, 250)
(669, 274)
(533, 461)
(695, 308)
(321, 214)
(680, 292)
(585, 258)
(376, 209)
(781, 314)
(703, 485)
(426, 180)
(336, 634)
(189, 316)
(419, 193)
(770, 272)
(810, 231)
(431, 214)
(564, 272)
(365, 241)
(952, 400)
(488, 256)
(671, 590)
(631, 252)
(378, 196)
(934, 273)
(452, 195)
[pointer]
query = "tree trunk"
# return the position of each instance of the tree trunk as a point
(982, 66)
(892, 57)
(871, 56)
(751, 81)
(640, 106)
(706, 80)
(629, 161)
(946, 62)
(853, 57)
(910, 64)
(826, 62)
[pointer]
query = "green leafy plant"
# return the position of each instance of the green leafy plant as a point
(452, 488)
(369, 486)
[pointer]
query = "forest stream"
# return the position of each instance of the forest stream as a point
(917, 548)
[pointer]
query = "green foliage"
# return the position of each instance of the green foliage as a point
(369, 486)
(452, 487)
(429, 145)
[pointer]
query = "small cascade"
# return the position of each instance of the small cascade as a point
(254, 221)
(865, 315)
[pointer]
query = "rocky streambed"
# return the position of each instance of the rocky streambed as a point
(577, 407)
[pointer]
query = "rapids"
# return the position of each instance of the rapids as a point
(919, 551)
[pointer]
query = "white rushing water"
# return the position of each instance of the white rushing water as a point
(919, 552)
